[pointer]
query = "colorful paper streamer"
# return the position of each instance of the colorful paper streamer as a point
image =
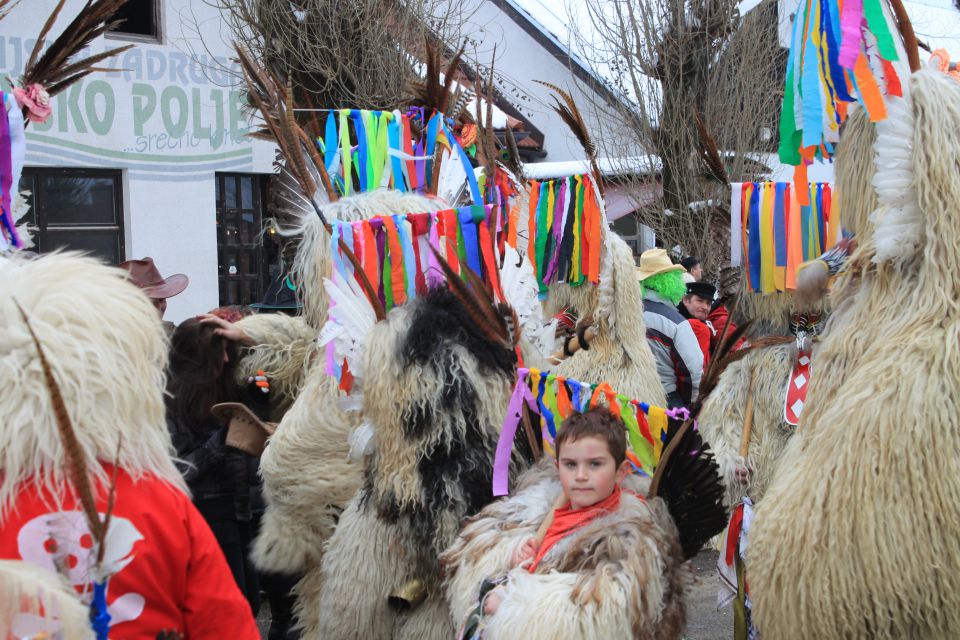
(772, 234)
(552, 399)
(364, 150)
(12, 152)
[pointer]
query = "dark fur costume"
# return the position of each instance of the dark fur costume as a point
(436, 390)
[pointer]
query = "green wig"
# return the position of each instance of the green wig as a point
(670, 285)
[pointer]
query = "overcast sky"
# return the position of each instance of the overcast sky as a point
(936, 22)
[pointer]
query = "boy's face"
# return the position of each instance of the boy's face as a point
(588, 473)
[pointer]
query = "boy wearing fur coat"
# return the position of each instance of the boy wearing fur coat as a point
(605, 563)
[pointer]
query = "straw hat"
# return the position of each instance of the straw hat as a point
(654, 261)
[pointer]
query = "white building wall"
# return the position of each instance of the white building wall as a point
(521, 59)
(169, 121)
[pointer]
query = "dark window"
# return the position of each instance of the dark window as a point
(138, 18)
(76, 209)
(246, 258)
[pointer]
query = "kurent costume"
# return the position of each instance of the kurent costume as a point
(161, 568)
(873, 552)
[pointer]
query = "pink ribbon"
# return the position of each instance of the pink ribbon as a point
(850, 23)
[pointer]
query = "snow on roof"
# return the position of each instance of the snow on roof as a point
(632, 165)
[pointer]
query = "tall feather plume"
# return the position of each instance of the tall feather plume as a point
(709, 152)
(57, 68)
(570, 114)
(6, 6)
(512, 158)
(478, 302)
(276, 107)
(486, 138)
(275, 103)
(76, 462)
(688, 480)
(430, 92)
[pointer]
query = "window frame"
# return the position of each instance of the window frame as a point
(157, 6)
(40, 228)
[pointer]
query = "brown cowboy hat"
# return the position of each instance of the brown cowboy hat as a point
(145, 275)
(245, 431)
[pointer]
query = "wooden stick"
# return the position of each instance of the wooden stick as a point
(531, 435)
(747, 421)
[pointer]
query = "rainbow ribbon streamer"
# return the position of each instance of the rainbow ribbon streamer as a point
(772, 233)
(365, 150)
(554, 398)
(566, 237)
(396, 257)
(13, 148)
(839, 55)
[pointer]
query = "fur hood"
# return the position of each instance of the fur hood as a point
(107, 349)
(620, 576)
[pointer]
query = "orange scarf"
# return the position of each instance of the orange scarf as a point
(567, 520)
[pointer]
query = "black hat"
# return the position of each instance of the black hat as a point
(703, 290)
(689, 262)
(281, 294)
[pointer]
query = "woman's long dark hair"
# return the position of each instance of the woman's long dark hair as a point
(197, 376)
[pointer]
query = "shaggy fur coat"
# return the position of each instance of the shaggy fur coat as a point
(435, 392)
(859, 536)
(619, 354)
(620, 576)
(307, 476)
(722, 416)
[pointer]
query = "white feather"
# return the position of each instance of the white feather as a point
(349, 321)
(519, 286)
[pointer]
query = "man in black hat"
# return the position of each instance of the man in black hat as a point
(695, 307)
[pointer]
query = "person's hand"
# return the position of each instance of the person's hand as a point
(492, 602)
(525, 552)
(227, 330)
(741, 474)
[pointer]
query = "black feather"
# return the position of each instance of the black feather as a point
(688, 480)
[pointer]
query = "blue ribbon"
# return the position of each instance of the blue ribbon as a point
(472, 246)
(780, 225)
(393, 135)
(360, 156)
(99, 616)
(753, 236)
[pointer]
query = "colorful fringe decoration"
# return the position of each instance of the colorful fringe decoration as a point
(554, 398)
(566, 231)
(841, 52)
(772, 233)
(395, 253)
(13, 148)
(364, 150)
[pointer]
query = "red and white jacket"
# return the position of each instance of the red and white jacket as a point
(168, 573)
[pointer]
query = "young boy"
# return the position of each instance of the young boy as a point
(591, 461)
(593, 561)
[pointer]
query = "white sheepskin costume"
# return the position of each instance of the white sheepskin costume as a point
(284, 349)
(308, 477)
(722, 417)
(34, 601)
(619, 354)
(859, 533)
(75, 303)
(621, 576)
(436, 392)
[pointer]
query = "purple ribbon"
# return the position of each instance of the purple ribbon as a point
(6, 174)
(559, 207)
(501, 463)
